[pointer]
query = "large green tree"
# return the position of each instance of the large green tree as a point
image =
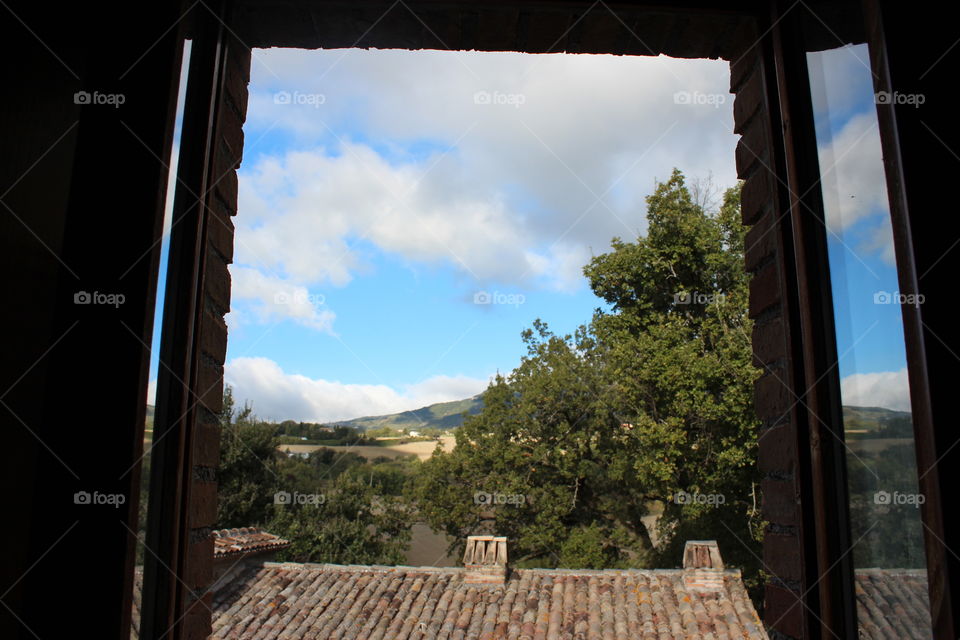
(676, 339)
(543, 463)
(602, 430)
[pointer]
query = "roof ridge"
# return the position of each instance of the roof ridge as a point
(732, 572)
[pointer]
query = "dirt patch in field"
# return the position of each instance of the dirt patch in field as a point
(422, 450)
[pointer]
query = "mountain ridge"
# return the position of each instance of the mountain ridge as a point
(449, 415)
(439, 415)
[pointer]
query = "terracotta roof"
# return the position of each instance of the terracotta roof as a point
(892, 604)
(228, 542)
(286, 600)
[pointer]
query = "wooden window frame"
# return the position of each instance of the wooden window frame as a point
(792, 278)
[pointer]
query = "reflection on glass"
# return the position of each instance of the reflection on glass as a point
(890, 570)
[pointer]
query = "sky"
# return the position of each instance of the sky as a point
(869, 323)
(403, 216)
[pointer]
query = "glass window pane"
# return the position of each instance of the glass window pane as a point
(887, 533)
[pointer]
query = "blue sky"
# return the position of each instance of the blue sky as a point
(403, 216)
(863, 273)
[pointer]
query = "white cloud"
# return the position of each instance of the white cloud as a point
(152, 392)
(880, 240)
(840, 78)
(887, 389)
(276, 299)
(854, 185)
(513, 194)
(277, 395)
(321, 202)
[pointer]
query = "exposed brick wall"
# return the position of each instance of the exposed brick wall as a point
(784, 611)
(221, 206)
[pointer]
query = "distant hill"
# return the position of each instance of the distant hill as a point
(877, 422)
(867, 421)
(442, 415)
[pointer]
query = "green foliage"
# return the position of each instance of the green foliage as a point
(342, 508)
(248, 466)
(651, 399)
(142, 506)
(546, 443)
(881, 459)
(587, 547)
(678, 345)
(291, 432)
(387, 476)
(350, 524)
(889, 535)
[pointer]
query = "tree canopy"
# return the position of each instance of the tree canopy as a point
(333, 506)
(644, 414)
